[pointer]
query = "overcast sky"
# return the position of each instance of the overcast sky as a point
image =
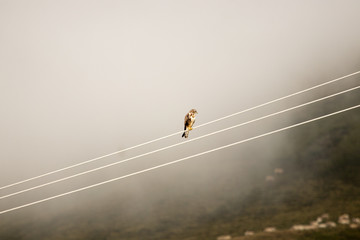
(79, 79)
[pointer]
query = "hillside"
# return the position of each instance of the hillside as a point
(321, 175)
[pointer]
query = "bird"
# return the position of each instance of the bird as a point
(189, 122)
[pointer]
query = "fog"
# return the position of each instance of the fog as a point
(81, 79)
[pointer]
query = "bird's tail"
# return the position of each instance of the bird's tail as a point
(185, 134)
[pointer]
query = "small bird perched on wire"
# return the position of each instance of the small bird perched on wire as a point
(189, 122)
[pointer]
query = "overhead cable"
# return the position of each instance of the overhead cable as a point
(177, 161)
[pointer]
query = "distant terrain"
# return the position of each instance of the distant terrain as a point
(321, 174)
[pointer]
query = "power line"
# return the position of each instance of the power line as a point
(177, 144)
(173, 134)
(179, 160)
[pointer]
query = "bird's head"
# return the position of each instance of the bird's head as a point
(193, 111)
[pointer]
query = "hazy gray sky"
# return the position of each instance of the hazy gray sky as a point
(79, 79)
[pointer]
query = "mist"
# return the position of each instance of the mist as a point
(81, 79)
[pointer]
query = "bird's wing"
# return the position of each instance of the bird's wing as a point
(186, 121)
